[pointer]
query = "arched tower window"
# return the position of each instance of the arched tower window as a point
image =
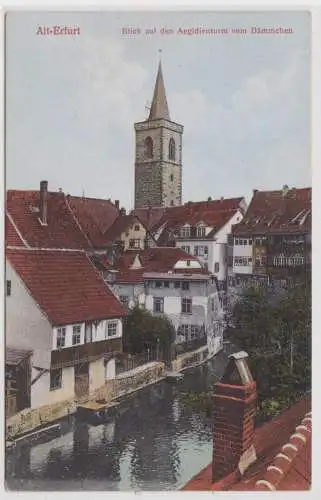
(171, 149)
(148, 147)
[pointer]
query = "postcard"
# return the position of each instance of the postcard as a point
(158, 250)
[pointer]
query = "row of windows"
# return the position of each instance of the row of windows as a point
(184, 285)
(185, 232)
(242, 261)
(149, 148)
(242, 241)
(186, 305)
(111, 331)
(282, 260)
(191, 331)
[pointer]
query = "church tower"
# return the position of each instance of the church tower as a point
(158, 155)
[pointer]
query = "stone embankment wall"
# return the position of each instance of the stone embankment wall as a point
(190, 359)
(30, 419)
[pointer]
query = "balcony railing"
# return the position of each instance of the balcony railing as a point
(71, 356)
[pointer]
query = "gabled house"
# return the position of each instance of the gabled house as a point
(168, 281)
(128, 233)
(199, 228)
(273, 241)
(59, 307)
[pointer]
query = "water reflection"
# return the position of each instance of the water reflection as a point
(155, 443)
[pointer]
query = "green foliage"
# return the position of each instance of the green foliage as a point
(277, 337)
(144, 331)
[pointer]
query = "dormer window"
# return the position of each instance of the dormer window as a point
(201, 231)
(185, 232)
(172, 150)
(148, 147)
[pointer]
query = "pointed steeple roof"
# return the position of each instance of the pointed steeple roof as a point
(159, 107)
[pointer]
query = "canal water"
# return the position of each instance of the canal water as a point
(157, 442)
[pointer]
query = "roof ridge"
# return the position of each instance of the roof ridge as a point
(283, 461)
(23, 240)
(76, 220)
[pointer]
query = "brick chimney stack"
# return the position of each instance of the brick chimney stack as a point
(117, 204)
(43, 202)
(233, 426)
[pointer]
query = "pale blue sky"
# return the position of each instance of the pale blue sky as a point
(244, 101)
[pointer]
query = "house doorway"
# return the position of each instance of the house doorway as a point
(81, 380)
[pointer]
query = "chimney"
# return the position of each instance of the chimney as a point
(233, 425)
(285, 190)
(122, 211)
(255, 191)
(222, 198)
(43, 202)
(117, 204)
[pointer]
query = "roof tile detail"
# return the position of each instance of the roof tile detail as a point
(65, 285)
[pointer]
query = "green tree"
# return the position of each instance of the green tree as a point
(144, 331)
(255, 324)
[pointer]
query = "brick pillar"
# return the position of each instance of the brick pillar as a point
(233, 427)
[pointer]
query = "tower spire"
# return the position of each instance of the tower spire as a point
(159, 107)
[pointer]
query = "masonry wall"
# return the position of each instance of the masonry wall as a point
(26, 326)
(153, 183)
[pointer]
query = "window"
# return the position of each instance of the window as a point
(186, 249)
(216, 267)
(148, 147)
(166, 284)
(124, 299)
(185, 285)
(183, 332)
(177, 284)
(8, 292)
(76, 329)
(112, 329)
(185, 232)
(134, 243)
(194, 331)
(205, 265)
(201, 231)
(213, 303)
(201, 251)
(158, 284)
(171, 177)
(61, 337)
(55, 379)
(260, 260)
(242, 261)
(250, 241)
(236, 241)
(171, 149)
(158, 305)
(137, 227)
(186, 306)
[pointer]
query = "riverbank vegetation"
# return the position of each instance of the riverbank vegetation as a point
(144, 332)
(277, 337)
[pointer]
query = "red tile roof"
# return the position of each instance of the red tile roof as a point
(153, 260)
(12, 238)
(65, 285)
(61, 231)
(270, 440)
(276, 211)
(95, 216)
(192, 212)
